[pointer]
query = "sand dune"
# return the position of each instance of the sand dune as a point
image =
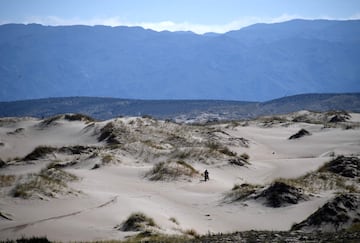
(111, 170)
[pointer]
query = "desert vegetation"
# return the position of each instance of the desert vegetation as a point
(241, 191)
(137, 222)
(2, 164)
(79, 117)
(331, 176)
(279, 194)
(34, 239)
(7, 180)
(171, 170)
(340, 174)
(40, 152)
(338, 214)
(174, 220)
(301, 133)
(68, 117)
(344, 166)
(147, 158)
(155, 238)
(219, 148)
(49, 182)
(241, 236)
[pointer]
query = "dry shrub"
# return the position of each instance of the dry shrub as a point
(174, 220)
(106, 131)
(7, 180)
(48, 182)
(171, 170)
(192, 232)
(50, 120)
(301, 133)
(39, 152)
(79, 117)
(215, 146)
(245, 156)
(240, 192)
(137, 222)
(106, 159)
(355, 227)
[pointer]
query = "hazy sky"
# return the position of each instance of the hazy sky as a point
(196, 15)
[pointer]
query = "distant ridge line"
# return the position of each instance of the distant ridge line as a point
(103, 108)
(135, 99)
(259, 62)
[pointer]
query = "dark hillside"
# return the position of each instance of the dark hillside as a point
(105, 108)
(257, 63)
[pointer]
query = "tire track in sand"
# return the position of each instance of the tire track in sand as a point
(23, 226)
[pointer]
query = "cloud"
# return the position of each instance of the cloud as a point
(355, 16)
(57, 21)
(170, 25)
(160, 26)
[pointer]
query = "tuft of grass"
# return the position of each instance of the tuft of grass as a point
(192, 232)
(77, 149)
(227, 151)
(79, 117)
(7, 180)
(241, 191)
(147, 117)
(215, 146)
(344, 166)
(109, 133)
(171, 170)
(50, 120)
(106, 131)
(17, 131)
(245, 156)
(269, 121)
(153, 144)
(33, 239)
(318, 181)
(351, 188)
(69, 117)
(174, 220)
(182, 163)
(355, 227)
(183, 154)
(301, 133)
(106, 159)
(153, 237)
(48, 182)
(137, 222)
(39, 152)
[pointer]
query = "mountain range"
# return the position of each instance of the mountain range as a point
(179, 110)
(256, 63)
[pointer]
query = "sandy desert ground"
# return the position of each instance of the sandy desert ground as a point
(89, 176)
